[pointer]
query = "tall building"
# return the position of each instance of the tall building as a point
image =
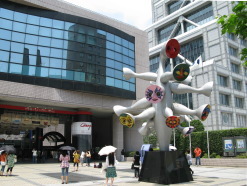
(61, 72)
(193, 24)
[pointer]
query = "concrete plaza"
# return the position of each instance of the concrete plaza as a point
(49, 174)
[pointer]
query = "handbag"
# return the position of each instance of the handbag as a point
(132, 166)
(3, 163)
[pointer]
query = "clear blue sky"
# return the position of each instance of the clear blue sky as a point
(134, 12)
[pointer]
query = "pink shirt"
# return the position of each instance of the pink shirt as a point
(64, 161)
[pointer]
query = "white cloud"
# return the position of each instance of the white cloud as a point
(134, 12)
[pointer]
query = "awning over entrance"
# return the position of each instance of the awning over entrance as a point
(54, 137)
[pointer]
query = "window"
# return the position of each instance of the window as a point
(239, 102)
(236, 84)
(200, 16)
(226, 119)
(165, 32)
(245, 71)
(235, 68)
(241, 120)
(243, 42)
(224, 99)
(231, 36)
(233, 51)
(175, 5)
(222, 81)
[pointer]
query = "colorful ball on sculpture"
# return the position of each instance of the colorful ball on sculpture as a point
(205, 113)
(172, 48)
(173, 121)
(154, 94)
(126, 120)
(181, 72)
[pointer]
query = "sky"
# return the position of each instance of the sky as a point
(134, 12)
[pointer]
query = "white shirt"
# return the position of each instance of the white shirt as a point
(34, 152)
(82, 154)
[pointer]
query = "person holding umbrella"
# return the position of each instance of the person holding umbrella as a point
(10, 163)
(3, 160)
(110, 167)
(64, 158)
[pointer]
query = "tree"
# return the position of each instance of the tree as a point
(236, 24)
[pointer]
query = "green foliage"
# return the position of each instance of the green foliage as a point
(205, 155)
(151, 139)
(130, 153)
(195, 123)
(242, 155)
(213, 155)
(236, 23)
(200, 139)
(218, 156)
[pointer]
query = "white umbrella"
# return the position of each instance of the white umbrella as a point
(172, 148)
(107, 150)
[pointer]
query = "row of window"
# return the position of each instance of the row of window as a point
(109, 80)
(200, 17)
(175, 5)
(227, 119)
(232, 36)
(60, 47)
(53, 28)
(225, 100)
(223, 81)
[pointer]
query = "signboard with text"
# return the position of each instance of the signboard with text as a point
(81, 128)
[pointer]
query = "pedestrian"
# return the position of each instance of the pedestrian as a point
(3, 159)
(198, 153)
(34, 151)
(189, 159)
(122, 154)
(82, 158)
(88, 157)
(111, 167)
(11, 163)
(76, 156)
(64, 158)
(136, 162)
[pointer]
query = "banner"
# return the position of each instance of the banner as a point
(81, 128)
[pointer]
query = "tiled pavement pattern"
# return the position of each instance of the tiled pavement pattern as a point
(49, 174)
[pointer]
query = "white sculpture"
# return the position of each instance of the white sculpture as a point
(160, 111)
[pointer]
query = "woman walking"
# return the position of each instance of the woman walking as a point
(189, 159)
(10, 163)
(3, 160)
(110, 167)
(64, 158)
(88, 157)
(76, 156)
(137, 164)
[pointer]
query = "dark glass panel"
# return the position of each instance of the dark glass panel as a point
(32, 49)
(79, 76)
(28, 70)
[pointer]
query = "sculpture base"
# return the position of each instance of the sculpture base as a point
(165, 167)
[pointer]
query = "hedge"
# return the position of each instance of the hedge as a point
(200, 139)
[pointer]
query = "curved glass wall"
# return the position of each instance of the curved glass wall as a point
(37, 46)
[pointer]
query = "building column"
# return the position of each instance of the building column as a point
(118, 136)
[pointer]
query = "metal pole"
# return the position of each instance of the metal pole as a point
(208, 143)
(174, 139)
(190, 141)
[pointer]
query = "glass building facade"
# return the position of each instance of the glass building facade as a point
(53, 49)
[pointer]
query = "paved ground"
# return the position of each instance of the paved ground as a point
(49, 174)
